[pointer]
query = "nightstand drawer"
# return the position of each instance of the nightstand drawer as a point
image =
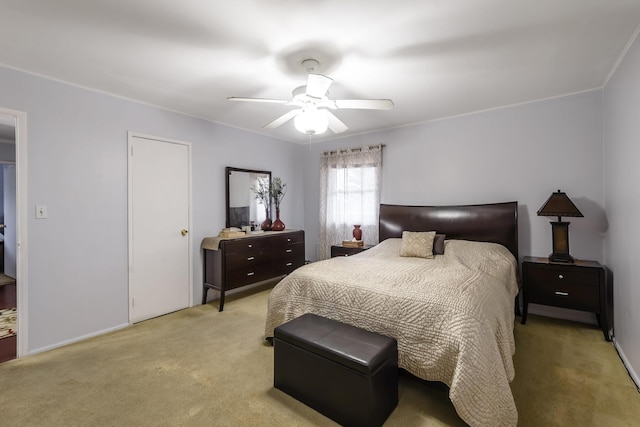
(558, 276)
(339, 250)
(565, 294)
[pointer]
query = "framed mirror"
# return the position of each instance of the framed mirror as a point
(242, 206)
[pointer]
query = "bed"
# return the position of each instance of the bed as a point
(452, 315)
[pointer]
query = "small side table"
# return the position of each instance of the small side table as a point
(339, 250)
(579, 285)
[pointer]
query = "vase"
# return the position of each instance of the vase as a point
(277, 225)
(266, 225)
(357, 232)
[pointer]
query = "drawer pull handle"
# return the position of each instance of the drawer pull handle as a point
(251, 258)
(560, 276)
(250, 246)
(288, 250)
(289, 264)
(288, 240)
(250, 273)
(346, 254)
(564, 294)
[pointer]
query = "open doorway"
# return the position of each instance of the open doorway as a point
(8, 243)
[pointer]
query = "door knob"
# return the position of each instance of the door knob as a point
(184, 232)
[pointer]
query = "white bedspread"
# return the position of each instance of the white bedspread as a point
(452, 315)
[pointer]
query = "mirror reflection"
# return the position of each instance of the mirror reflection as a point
(243, 209)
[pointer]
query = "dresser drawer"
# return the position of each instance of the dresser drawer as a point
(293, 238)
(248, 274)
(293, 250)
(252, 257)
(293, 258)
(291, 265)
(246, 246)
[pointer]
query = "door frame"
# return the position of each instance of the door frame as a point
(22, 284)
(130, 136)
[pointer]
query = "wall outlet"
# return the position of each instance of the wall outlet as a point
(41, 211)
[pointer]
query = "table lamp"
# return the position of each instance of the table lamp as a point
(560, 205)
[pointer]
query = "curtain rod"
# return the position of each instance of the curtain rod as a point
(346, 150)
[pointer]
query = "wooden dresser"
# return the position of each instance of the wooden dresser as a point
(250, 259)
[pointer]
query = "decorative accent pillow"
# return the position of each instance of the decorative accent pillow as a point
(417, 244)
(438, 244)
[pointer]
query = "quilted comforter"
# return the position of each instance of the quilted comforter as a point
(452, 315)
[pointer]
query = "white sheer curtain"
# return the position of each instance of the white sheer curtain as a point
(349, 195)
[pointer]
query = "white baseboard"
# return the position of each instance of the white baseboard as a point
(633, 374)
(74, 340)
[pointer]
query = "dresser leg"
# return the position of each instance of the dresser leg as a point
(525, 309)
(204, 294)
(221, 301)
(602, 322)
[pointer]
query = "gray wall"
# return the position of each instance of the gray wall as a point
(622, 201)
(77, 166)
(521, 153)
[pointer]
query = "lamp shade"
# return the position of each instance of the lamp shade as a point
(559, 205)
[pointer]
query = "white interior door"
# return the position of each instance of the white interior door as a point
(9, 194)
(159, 216)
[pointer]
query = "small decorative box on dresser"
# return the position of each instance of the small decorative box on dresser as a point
(579, 285)
(232, 263)
(339, 250)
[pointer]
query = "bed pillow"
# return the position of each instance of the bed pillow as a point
(438, 244)
(417, 244)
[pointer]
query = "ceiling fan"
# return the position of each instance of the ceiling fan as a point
(312, 115)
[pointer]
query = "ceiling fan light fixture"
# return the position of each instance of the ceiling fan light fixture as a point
(313, 114)
(311, 121)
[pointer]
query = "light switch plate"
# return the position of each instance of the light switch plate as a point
(41, 211)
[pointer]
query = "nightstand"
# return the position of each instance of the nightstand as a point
(579, 285)
(339, 250)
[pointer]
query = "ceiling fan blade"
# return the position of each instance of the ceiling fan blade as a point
(365, 104)
(282, 119)
(317, 85)
(335, 124)
(266, 100)
(327, 103)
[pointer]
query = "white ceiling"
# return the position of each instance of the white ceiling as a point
(434, 58)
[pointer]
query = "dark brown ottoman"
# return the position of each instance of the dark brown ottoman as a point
(346, 373)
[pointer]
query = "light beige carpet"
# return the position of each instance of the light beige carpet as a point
(199, 367)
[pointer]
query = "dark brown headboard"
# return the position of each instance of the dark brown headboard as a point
(495, 222)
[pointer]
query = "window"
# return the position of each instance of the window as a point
(349, 195)
(258, 208)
